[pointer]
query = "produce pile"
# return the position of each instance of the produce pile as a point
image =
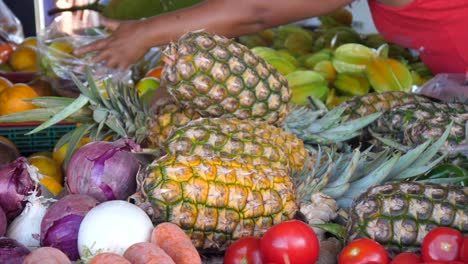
(227, 166)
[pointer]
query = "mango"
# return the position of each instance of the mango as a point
(386, 74)
(352, 84)
(352, 58)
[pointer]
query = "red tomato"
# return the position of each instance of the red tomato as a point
(464, 250)
(442, 244)
(363, 251)
(443, 262)
(406, 258)
(290, 242)
(244, 250)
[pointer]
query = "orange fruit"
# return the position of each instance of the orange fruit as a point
(4, 83)
(6, 49)
(11, 99)
(47, 166)
(155, 72)
(24, 59)
(30, 41)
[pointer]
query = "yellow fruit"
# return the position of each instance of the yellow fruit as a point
(352, 58)
(385, 74)
(52, 185)
(4, 83)
(24, 59)
(47, 167)
(30, 41)
(62, 46)
(147, 84)
(59, 152)
(352, 84)
(326, 69)
(11, 99)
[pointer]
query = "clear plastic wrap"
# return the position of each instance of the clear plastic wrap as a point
(57, 43)
(11, 29)
(447, 87)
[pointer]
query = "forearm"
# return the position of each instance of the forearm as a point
(233, 18)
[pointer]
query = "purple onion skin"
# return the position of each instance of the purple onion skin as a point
(61, 223)
(12, 252)
(15, 185)
(3, 222)
(104, 170)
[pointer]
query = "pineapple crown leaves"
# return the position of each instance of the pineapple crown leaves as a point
(325, 127)
(344, 176)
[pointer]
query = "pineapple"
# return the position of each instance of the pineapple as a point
(399, 215)
(218, 77)
(224, 178)
(359, 106)
(413, 124)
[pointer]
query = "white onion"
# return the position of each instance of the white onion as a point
(26, 228)
(113, 227)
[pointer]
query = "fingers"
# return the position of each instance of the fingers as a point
(97, 45)
(109, 23)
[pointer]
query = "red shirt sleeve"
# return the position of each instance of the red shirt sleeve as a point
(438, 29)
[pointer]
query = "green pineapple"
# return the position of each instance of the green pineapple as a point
(218, 77)
(399, 215)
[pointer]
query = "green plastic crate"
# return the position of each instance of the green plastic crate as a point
(44, 140)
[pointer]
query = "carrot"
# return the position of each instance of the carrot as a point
(109, 258)
(47, 255)
(172, 239)
(147, 253)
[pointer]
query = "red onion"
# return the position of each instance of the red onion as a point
(16, 183)
(104, 170)
(3, 222)
(11, 251)
(60, 225)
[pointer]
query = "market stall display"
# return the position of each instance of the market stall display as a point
(288, 146)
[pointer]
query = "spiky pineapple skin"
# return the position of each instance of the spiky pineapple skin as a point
(166, 118)
(218, 77)
(360, 106)
(399, 215)
(254, 141)
(223, 179)
(216, 200)
(412, 124)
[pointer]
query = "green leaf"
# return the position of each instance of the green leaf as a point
(39, 114)
(334, 229)
(50, 101)
(75, 139)
(66, 112)
(64, 139)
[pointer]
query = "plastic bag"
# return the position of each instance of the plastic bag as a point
(56, 45)
(447, 87)
(11, 29)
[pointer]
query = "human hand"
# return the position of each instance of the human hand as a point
(125, 46)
